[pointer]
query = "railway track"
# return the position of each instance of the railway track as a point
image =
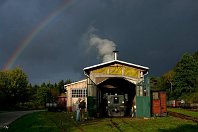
(182, 116)
(74, 122)
(126, 121)
(115, 125)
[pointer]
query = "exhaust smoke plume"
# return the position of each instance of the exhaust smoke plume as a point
(104, 47)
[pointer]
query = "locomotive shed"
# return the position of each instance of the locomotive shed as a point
(112, 88)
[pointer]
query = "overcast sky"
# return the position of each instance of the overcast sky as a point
(67, 35)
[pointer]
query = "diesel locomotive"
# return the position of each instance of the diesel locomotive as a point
(116, 105)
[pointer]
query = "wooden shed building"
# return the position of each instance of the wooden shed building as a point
(75, 91)
(120, 82)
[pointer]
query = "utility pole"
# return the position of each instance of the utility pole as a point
(171, 86)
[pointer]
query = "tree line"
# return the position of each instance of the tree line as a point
(16, 93)
(181, 82)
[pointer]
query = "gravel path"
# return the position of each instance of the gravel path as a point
(8, 117)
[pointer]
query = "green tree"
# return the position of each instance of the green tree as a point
(168, 79)
(3, 79)
(18, 85)
(154, 83)
(41, 96)
(167, 83)
(13, 87)
(186, 73)
(61, 86)
(68, 81)
(195, 55)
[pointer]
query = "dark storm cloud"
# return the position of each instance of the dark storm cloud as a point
(151, 33)
(160, 30)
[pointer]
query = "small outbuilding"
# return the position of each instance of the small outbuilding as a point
(158, 104)
(75, 91)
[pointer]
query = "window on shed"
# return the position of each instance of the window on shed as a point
(155, 95)
(76, 93)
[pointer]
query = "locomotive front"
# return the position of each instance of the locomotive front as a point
(116, 105)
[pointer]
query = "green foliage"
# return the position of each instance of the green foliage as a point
(186, 74)
(61, 86)
(182, 81)
(47, 93)
(154, 83)
(18, 85)
(15, 92)
(13, 87)
(195, 55)
(41, 95)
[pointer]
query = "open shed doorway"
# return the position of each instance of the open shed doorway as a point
(116, 96)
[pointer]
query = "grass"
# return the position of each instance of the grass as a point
(184, 111)
(62, 121)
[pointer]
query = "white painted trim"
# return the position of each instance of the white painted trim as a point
(109, 62)
(75, 82)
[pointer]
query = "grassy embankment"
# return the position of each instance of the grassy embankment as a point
(60, 121)
(184, 111)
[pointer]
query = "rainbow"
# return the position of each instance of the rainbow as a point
(27, 40)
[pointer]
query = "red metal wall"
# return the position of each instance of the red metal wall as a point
(155, 106)
(163, 102)
(159, 103)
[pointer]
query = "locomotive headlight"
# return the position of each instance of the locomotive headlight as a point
(108, 102)
(123, 102)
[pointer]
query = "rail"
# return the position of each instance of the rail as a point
(182, 116)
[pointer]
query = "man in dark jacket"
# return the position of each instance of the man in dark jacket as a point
(82, 107)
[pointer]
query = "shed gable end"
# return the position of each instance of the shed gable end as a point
(117, 69)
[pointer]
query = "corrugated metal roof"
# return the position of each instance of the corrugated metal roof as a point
(115, 61)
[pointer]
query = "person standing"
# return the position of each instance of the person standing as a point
(133, 110)
(78, 109)
(82, 107)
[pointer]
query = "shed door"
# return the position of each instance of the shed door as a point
(143, 101)
(91, 98)
(143, 106)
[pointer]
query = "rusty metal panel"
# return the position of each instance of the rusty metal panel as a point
(156, 107)
(159, 104)
(163, 102)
